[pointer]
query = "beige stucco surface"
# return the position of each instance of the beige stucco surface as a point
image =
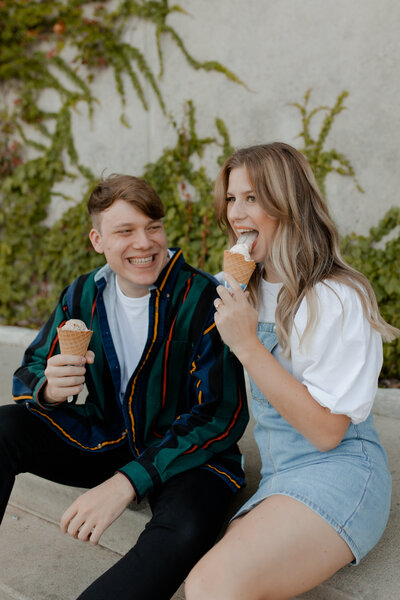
(279, 49)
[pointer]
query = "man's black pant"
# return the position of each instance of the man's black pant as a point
(188, 510)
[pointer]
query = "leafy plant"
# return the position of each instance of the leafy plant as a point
(377, 259)
(61, 46)
(380, 262)
(323, 161)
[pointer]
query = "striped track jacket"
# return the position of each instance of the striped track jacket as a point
(185, 403)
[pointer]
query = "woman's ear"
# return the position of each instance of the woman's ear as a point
(95, 238)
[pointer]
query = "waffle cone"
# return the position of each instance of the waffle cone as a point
(74, 343)
(237, 266)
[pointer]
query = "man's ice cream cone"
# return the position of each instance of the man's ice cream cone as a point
(74, 337)
(237, 266)
(74, 342)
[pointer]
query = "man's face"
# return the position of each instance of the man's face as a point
(134, 245)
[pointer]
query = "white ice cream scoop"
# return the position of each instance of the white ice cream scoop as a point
(244, 244)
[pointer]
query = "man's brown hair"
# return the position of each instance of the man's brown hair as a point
(125, 187)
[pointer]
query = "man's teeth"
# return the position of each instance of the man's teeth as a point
(140, 261)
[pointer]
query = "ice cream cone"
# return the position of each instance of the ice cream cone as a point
(237, 266)
(74, 343)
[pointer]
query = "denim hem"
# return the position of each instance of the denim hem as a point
(317, 509)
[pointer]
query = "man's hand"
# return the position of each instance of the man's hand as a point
(90, 515)
(65, 376)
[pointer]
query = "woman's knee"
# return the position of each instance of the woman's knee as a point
(214, 585)
(193, 586)
(200, 584)
(212, 578)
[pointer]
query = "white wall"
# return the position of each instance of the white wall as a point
(280, 48)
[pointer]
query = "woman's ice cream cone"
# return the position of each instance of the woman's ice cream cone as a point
(237, 266)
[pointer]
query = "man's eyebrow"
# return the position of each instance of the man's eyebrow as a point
(131, 225)
(119, 225)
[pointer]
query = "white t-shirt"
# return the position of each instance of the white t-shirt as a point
(267, 301)
(128, 319)
(132, 321)
(340, 361)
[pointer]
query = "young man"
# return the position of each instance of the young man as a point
(165, 405)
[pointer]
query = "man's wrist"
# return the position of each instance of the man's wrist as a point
(45, 397)
(126, 485)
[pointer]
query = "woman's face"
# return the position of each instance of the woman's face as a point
(245, 213)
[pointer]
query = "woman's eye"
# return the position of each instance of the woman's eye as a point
(230, 199)
(251, 198)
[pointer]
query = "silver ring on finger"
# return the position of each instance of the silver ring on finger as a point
(218, 303)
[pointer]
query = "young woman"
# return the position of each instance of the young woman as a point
(308, 332)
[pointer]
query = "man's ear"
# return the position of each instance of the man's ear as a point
(95, 238)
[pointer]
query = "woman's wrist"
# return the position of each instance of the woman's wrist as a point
(247, 350)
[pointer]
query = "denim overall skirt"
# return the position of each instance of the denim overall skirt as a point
(348, 486)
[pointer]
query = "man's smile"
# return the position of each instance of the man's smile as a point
(141, 261)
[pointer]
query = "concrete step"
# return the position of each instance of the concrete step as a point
(39, 563)
(47, 500)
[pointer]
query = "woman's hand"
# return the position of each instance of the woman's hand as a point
(235, 318)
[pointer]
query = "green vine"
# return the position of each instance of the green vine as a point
(323, 161)
(378, 259)
(60, 46)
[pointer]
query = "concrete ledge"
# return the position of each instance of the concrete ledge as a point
(48, 501)
(387, 403)
(17, 336)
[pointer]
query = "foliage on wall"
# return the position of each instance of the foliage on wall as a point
(59, 48)
(321, 160)
(377, 255)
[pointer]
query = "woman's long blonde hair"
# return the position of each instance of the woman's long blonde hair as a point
(305, 249)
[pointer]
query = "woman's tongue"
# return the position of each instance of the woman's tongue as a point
(247, 239)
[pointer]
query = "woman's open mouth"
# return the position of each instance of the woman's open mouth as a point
(247, 237)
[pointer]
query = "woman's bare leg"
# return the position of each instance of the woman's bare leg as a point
(278, 550)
